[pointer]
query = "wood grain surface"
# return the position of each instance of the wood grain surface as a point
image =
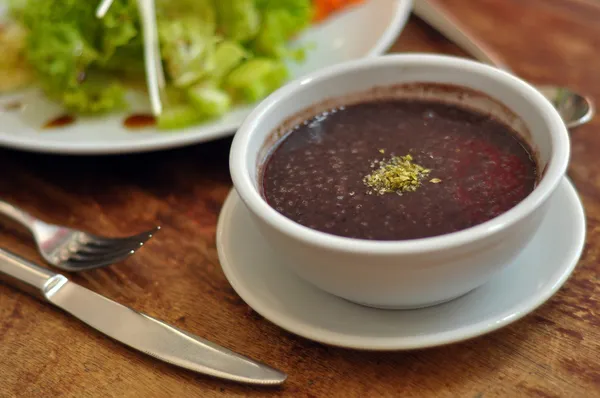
(554, 352)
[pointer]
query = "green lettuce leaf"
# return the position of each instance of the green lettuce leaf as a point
(208, 100)
(239, 20)
(228, 55)
(188, 40)
(281, 20)
(187, 51)
(67, 44)
(216, 53)
(121, 28)
(178, 116)
(255, 79)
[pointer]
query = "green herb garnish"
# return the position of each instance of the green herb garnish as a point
(397, 174)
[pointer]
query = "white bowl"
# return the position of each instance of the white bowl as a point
(410, 273)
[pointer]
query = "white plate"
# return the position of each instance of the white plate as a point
(284, 299)
(365, 30)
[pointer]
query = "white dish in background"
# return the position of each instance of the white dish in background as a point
(365, 30)
(289, 302)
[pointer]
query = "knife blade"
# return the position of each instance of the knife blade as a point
(134, 329)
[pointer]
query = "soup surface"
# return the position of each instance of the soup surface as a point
(397, 169)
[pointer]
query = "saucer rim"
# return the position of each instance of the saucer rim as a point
(462, 333)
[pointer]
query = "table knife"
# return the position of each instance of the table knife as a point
(132, 328)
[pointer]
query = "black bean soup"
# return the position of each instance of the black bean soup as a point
(394, 169)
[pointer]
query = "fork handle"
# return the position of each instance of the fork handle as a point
(16, 214)
(26, 276)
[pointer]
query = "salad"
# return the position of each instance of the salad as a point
(216, 53)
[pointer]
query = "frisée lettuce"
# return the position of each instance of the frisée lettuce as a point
(216, 53)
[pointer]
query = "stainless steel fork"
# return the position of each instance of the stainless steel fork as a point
(73, 250)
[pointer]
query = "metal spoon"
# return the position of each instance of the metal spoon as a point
(575, 109)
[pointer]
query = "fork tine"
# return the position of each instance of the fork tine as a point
(73, 250)
(92, 240)
(83, 261)
(112, 251)
(93, 250)
(73, 265)
(82, 256)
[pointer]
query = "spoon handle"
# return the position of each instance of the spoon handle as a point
(438, 18)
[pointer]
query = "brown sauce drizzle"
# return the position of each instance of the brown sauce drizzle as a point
(139, 120)
(61, 121)
(13, 106)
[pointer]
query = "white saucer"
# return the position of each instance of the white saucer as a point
(284, 299)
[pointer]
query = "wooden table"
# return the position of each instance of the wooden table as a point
(554, 352)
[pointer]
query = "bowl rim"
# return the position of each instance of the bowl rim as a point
(555, 169)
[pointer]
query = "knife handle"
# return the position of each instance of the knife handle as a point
(27, 276)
